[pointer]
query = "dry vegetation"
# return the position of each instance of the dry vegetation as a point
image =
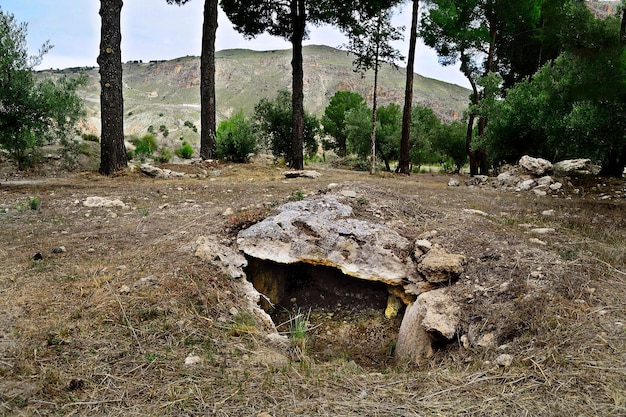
(74, 341)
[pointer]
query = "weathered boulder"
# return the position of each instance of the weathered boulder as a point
(535, 166)
(579, 166)
(507, 179)
(302, 174)
(157, 172)
(322, 232)
(433, 317)
(439, 266)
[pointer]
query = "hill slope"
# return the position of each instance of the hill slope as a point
(168, 92)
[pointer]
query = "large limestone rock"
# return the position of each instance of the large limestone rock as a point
(576, 166)
(535, 166)
(322, 232)
(433, 317)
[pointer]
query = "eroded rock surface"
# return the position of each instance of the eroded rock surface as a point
(322, 232)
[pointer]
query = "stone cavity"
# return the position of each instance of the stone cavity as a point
(315, 253)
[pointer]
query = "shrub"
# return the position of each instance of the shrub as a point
(185, 151)
(145, 147)
(236, 139)
(90, 137)
(165, 155)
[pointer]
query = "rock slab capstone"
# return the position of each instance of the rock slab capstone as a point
(323, 232)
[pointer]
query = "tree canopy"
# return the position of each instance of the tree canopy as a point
(32, 113)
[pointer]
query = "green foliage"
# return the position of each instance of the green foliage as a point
(33, 203)
(449, 141)
(371, 41)
(185, 151)
(144, 146)
(574, 107)
(236, 139)
(164, 156)
(32, 113)
(424, 126)
(388, 131)
(273, 119)
(334, 119)
(150, 129)
(90, 137)
(191, 126)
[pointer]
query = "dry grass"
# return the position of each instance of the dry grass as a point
(75, 341)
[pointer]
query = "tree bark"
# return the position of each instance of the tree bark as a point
(298, 18)
(113, 152)
(207, 81)
(405, 143)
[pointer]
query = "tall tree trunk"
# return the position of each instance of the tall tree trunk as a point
(405, 143)
(112, 149)
(374, 102)
(298, 18)
(207, 81)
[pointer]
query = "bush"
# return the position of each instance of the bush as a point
(145, 146)
(236, 139)
(90, 137)
(165, 156)
(185, 151)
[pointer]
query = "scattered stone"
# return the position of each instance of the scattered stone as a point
(537, 241)
(548, 213)
(453, 182)
(157, 172)
(474, 211)
(535, 166)
(505, 360)
(348, 193)
(543, 230)
(192, 360)
(423, 245)
(103, 202)
(125, 289)
(540, 192)
(486, 341)
(507, 179)
(302, 174)
(37, 257)
(556, 186)
(545, 181)
(439, 266)
(227, 212)
(146, 281)
(59, 249)
(233, 311)
(525, 185)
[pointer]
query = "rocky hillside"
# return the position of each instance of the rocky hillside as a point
(167, 92)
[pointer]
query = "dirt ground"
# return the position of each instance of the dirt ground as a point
(126, 321)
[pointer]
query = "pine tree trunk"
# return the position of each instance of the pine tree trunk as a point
(405, 143)
(298, 15)
(207, 81)
(113, 152)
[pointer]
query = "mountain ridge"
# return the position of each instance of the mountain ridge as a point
(167, 93)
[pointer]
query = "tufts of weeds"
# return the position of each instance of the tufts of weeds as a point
(296, 196)
(243, 323)
(34, 203)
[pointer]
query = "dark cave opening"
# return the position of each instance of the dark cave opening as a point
(346, 314)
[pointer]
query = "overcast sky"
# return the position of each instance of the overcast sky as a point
(152, 29)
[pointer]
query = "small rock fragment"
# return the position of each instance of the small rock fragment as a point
(505, 360)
